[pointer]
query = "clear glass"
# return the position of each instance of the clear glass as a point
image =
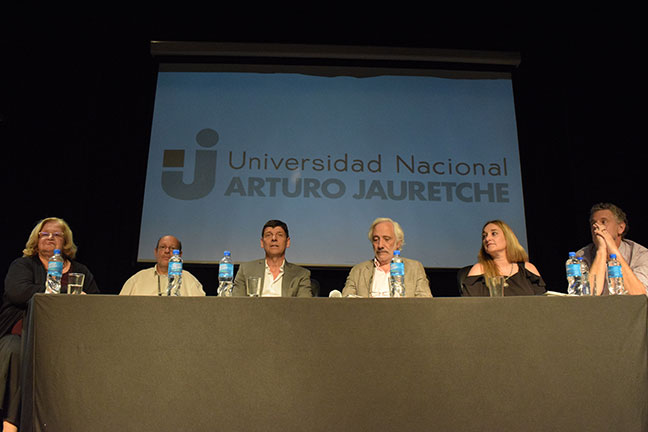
(495, 286)
(75, 283)
(253, 284)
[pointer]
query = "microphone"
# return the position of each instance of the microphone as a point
(335, 293)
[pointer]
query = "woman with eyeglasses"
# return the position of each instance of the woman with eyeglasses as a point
(26, 277)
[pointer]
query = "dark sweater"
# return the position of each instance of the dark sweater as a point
(26, 277)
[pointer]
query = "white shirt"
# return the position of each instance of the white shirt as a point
(380, 283)
(150, 282)
(272, 286)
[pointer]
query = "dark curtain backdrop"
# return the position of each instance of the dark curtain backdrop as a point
(76, 98)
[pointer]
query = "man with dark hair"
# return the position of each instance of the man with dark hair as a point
(273, 223)
(154, 280)
(278, 277)
(609, 226)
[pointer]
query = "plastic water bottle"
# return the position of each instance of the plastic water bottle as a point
(225, 275)
(574, 275)
(174, 274)
(54, 273)
(397, 276)
(585, 285)
(615, 276)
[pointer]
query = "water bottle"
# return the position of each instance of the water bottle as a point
(574, 275)
(225, 275)
(397, 276)
(54, 273)
(585, 284)
(174, 274)
(615, 276)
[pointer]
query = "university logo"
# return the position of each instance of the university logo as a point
(204, 170)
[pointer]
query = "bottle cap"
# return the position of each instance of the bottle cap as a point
(226, 253)
(57, 251)
(580, 258)
(572, 254)
(613, 256)
(176, 252)
(397, 252)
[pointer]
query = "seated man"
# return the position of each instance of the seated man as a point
(278, 277)
(371, 278)
(154, 280)
(609, 226)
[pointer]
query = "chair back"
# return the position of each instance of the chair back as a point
(461, 276)
(315, 287)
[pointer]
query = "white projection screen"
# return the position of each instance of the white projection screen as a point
(327, 148)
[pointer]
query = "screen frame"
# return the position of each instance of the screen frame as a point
(333, 60)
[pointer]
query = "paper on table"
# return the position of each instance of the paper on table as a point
(559, 294)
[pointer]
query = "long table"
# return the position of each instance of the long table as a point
(106, 363)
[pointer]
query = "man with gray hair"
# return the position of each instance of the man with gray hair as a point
(371, 278)
(609, 226)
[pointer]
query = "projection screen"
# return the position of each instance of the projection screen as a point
(328, 148)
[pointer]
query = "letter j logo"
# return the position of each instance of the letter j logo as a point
(204, 172)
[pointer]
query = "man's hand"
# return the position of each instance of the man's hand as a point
(604, 240)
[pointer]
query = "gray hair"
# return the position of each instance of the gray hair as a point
(400, 235)
(616, 211)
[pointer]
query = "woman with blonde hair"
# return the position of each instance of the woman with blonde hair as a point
(26, 276)
(502, 255)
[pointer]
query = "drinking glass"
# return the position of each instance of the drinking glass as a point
(75, 283)
(253, 284)
(593, 284)
(495, 286)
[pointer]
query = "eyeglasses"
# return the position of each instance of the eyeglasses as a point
(44, 234)
(270, 235)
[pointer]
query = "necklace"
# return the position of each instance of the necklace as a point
(506, 278)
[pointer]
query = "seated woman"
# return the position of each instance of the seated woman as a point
(26, 277)
(502, 255)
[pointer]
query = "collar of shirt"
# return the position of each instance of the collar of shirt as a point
(626, 250)
(157, 273)
(272, 285)
(281, 269)
(377, 266)
(380, 281)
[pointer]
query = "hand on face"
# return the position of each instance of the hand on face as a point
(606, 231)
(600, 235)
